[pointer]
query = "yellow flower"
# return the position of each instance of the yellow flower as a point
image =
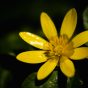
(59, 50)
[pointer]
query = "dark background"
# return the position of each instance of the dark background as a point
(24, 15)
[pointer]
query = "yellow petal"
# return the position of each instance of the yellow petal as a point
(67, 66)
(46, 68)
(80, 53)
(69, 23)
(48, 26)
(34, 40)
(32, 57)
(80, 39)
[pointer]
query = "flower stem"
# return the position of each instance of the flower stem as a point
(68, 83)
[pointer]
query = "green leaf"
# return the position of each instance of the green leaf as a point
(85, 18)
(5, 78)
(50, 82)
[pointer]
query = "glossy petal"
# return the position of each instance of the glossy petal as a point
(48, 26)
(69, 23)
(67, 67)
(47, 68)
(80, 53)
(80, 39)
(32, 57)
(34, 40)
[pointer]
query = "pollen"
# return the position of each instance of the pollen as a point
(60, 46)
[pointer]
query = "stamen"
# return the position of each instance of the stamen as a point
(59, 46)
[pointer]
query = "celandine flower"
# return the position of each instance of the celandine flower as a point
(59, 50)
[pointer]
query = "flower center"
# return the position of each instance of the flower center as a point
(60, 46)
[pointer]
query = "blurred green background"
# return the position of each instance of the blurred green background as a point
(24, 15)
